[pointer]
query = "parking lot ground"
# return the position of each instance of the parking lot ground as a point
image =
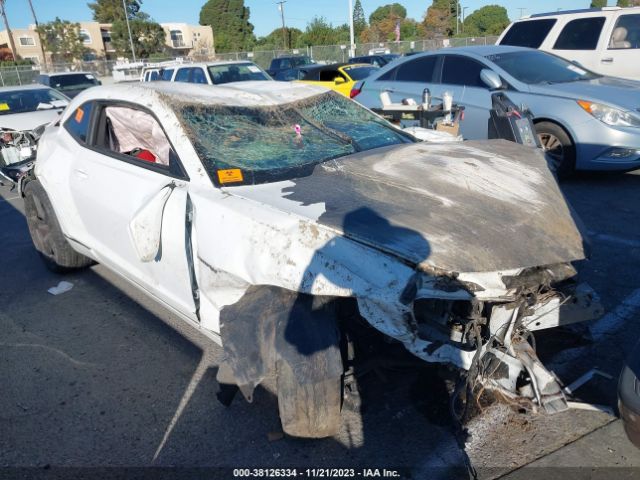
(101, 376)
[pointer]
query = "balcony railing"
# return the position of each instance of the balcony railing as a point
(179, 43)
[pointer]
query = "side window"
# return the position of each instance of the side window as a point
(167, 74)
(134, 135)
(285, 63)
(626, 33)
(78, 123)
(417, 70)
(580, 34)
(390, 75)
(330, 75)
(197, 76)
(182, 75)
(529, 33)
(462, 71)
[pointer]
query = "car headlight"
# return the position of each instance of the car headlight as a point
(610, 115)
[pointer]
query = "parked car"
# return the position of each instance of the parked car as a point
(603, 40)
(69, 83)
(584, 120)
(629, 396)
(340, 77)
(211, 73)
(297, 203)
(280, 64)
(377, 60)
(29, 106)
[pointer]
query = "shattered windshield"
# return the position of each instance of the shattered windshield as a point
(263, 141)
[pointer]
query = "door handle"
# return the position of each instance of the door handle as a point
(607, 60)
(81, 173)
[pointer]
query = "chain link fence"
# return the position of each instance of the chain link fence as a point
(103, 69)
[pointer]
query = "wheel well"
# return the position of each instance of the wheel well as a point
(536, 121)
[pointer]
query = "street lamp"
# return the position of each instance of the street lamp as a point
(126, 17)
(351, 34)
(464, 9)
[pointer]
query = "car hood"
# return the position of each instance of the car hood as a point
(481, 206)
(28, 120)
(607, 90)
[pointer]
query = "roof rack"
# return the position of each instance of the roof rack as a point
(569, 12)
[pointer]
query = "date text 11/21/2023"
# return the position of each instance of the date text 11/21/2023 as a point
(315, 473)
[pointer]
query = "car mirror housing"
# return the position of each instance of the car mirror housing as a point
(491, 79)
(339, 80)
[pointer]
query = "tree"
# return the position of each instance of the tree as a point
(628, 3)
(148, 37)
(395, 11)
(359, 20)
(321, 32)
(598, 3)
(61, 38)
(110, 11)
(229, 20)
(488, 20)
(440, 19)
(273, 41)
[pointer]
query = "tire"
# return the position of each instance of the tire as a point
(559, 147)
(46, 234)
(308, 410)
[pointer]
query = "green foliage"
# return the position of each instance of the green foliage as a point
(273, 41)
(110, 11)
(359, 20)
(229, 20)
(628, 3)
(321, 32)
(440, 19)
(488, 20)
(148, 38)
(598, 3)
(62, 39)
(392, 10)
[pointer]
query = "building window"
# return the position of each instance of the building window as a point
(85, 36)
(27, 41)
(176, 38)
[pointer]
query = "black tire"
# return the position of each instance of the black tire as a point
(559, 147)
(46, 234)
(308, 410)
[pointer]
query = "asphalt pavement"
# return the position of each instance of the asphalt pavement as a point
(101, 376)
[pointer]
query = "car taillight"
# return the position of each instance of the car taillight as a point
(355, 91)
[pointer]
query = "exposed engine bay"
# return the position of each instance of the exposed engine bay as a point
(17, 153)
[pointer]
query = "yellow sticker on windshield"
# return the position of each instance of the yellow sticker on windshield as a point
(4, 107)
(230, 176)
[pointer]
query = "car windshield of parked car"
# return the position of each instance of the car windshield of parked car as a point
(359, 73)
(23, 101)
(74, 81)
(279, 138)
(236, 72)
(536, 67)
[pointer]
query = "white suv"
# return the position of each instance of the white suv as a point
(605, 40)
(211, 73)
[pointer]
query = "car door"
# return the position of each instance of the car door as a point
(581, 41)
(410, 78)
(461, 77)
(130, 195)
(622, 51)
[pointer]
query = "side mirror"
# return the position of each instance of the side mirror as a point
(339, 80)
(491, 79)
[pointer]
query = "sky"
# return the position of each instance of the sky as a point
(265, 15)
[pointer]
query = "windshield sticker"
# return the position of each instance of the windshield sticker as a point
(79, 115)
(230, 175)
(4, 107)
(253, 68)
(577, 70)
(90, 77)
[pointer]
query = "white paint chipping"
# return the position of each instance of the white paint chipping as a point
(615, 320)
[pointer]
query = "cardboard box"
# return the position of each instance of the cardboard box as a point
(453, 129)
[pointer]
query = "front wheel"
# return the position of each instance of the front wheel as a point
(559, 147)
(46, 233)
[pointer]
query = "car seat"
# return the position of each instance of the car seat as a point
(619, 38)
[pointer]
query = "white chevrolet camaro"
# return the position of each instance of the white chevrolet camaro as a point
(275, 217)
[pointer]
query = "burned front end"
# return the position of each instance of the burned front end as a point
(490, 319)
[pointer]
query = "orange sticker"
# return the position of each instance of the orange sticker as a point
(229, 176)
(79, 115)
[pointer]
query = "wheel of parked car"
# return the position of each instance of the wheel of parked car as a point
(310, 410)
(46, 233)
(558, 146)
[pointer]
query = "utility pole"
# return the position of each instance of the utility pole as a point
(35, 20)
(522, 9)
(6, 25)
(457, 17)
(284, 31)
(464, 9)
(352, 53)
(126, 17)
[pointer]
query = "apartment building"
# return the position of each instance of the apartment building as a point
(181, 40)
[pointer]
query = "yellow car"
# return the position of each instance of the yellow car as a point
(340, 77)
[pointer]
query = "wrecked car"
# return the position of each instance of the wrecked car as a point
(267, 214)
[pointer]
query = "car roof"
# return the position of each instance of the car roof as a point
(62, 74)
(479, 50)
(242, 94)
(31, 86)
(210, 64)
(577, 12)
